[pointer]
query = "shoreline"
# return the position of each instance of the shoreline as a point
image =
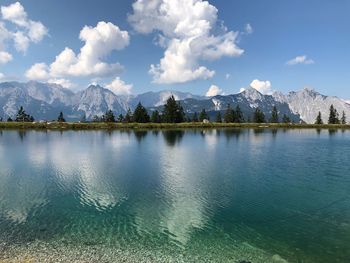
(160, 126)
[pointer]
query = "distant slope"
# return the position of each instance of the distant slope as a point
(248, 100)
(45, 101)
(307, 103)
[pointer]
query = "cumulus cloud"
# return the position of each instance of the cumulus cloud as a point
(119, 87)
(2, 76)
(300, 60)
(38, 71)
(186, 31)
(213, 91)
(227, 76)
(63, 82)
(28, 30)
(100, 41)
(5, 57)
(262, 86)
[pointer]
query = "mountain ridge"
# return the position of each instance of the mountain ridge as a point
(45, 101)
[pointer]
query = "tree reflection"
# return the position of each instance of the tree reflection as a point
(173, 137)
(140, 135)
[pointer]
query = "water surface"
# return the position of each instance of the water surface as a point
(175, 196)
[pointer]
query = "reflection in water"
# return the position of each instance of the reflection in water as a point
(184, 193)
(22, 134)
(173, 137)
(231, 133)
(139, 135)
(332, 131)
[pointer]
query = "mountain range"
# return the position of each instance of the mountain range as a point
(44, 101)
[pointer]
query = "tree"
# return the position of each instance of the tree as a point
(218, 117)
(259, 116)
(274, 115)
(343, 118)
(128, 116)
(333, 116)
(319, 118)
(173, 111)
(22, 116)
(109, 116)
(195, 117)
(9, 119)
(60, 117)
(238, 115)
(229, 115)
(96, 118)
(285, 119)
(120, 118)
(203, 116)
(141, 114)
(155, 118)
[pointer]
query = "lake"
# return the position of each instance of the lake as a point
(230, 195)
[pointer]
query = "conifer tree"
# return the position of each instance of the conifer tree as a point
(319, 119)
(173, 111)
(229, 115)
(274, 115)
(343, 118)
(155, 117)
(141, 114)
(128, 116)
(120, 118)
(285, 119)
(109, 116)
(61, 118)
(195, 117)
(238, 115)
(218, 117)
(22, 116)
(203, 116)
(259, 116)
(333, 116)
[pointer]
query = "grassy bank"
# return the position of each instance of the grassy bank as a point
(119, 126)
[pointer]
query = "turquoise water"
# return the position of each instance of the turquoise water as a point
(175, 196)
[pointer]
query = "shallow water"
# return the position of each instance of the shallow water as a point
(175, 196)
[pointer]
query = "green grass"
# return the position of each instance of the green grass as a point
(120, 126)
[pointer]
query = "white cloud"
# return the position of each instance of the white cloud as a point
(63, 82)
(300, 60)
(213, 91)
(15, 13)
(100, 41)
(29, 30)
(263, 87)
(119, 87)
(248, 29)
(2, 76)
(38, 71)
(186, 32)
(5, 57)
(227, 76)
(21, 41)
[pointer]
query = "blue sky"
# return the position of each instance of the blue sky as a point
(313, 36)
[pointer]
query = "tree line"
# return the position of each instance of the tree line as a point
(333, 117)
(173, 112)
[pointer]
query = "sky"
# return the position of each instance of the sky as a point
(203, 47)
